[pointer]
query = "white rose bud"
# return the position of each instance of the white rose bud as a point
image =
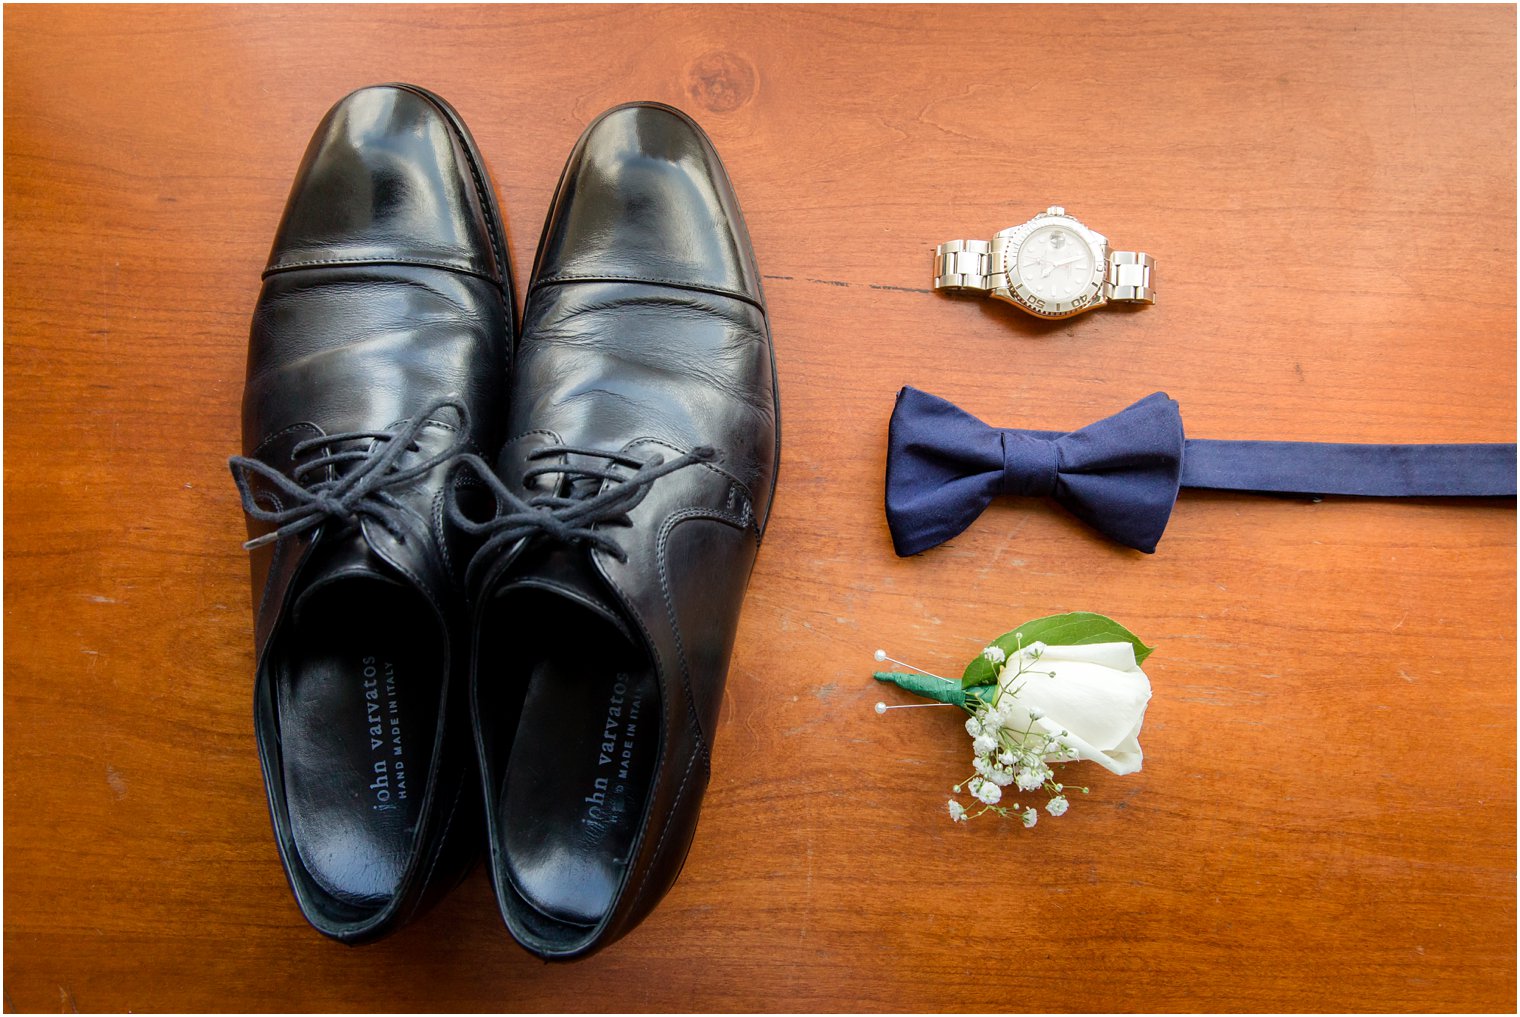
(1092, 697)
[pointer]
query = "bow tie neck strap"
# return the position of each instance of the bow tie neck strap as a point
(1368, 471)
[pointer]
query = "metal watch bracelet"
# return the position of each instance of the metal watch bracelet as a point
(967, 266)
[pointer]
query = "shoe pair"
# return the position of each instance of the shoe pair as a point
(549, 626)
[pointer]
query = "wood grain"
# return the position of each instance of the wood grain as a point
(1326, 818)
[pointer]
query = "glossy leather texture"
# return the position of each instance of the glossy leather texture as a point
(601, 652)
(386, 300)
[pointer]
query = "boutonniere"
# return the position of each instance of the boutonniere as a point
(1062, 689)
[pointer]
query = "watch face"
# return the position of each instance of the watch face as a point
(1055, 264)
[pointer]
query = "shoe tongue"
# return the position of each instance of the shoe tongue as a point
(344, 559)
(565, 572)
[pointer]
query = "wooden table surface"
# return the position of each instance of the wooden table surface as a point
(1326, 817)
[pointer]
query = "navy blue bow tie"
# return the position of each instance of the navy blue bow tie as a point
(1121, 475)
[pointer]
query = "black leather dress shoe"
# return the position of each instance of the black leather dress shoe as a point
(379, 348)
(632, 495)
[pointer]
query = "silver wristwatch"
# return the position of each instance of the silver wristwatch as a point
(1051, 266)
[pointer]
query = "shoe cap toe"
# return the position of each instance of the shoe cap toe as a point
(645, 198)
(387, 178)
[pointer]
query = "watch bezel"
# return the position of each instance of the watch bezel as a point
(1091, 295)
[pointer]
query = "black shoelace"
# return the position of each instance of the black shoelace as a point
(566, 518)
(359, 492)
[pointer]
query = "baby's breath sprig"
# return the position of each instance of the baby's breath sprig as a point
(1010, 745)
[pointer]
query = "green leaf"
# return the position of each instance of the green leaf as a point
(978, 672)
(1076, 628)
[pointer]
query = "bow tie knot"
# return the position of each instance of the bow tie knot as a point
(1030, 465)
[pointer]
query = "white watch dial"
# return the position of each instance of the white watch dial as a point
(1055, 263)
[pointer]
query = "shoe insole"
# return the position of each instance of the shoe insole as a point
(358, 713)
(580, 767)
